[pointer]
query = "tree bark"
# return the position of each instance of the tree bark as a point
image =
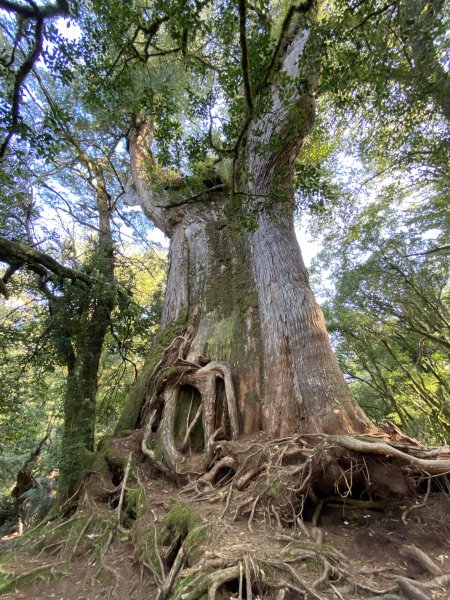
(249, 288)
(304, 388)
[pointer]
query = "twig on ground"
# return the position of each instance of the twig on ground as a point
(252, 513)
(409, 510)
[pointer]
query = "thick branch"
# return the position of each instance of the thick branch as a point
(39, 14)
(59, 9)
(24, 70)
(294, 16)
(244, 55)
(275, 138)
(18, 255)
(142, 163)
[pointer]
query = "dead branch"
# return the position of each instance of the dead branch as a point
(252, 513)
(190, 428)
(168, 583)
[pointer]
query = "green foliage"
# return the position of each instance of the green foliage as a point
(388, 312)
(9, 581)
(182, 522)
(30, 386)
(181, 525)
(386, 68)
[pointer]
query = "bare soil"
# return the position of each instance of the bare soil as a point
(342, 550)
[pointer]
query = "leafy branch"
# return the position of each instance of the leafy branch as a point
(39, 15)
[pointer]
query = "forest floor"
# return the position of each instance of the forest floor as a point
(342, 551)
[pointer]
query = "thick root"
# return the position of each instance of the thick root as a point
(160, 423)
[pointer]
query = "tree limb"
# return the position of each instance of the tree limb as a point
(39, 14)
(18, 255)
(59, 9)
(244, 55)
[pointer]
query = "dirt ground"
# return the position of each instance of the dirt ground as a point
(367, 550)
(372, 543)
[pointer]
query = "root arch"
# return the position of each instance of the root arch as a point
(166, 442)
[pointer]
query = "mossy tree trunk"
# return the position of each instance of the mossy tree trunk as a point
(81, 318)
(245, 290)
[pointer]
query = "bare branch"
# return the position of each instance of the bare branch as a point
(39, 14)
(24, 70)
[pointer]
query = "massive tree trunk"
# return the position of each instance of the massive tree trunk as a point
(210, 289)
(243, 292)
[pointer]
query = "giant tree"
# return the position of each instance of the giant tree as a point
(221, 99)
(240, 390)
(247, 332)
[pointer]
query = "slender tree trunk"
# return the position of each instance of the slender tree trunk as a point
(83, 349)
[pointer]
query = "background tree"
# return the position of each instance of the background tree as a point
(82, 297)
(387, 309)
(381, 216)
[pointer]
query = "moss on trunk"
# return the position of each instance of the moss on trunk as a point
(143, 386)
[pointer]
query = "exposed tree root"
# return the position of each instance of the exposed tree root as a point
(278, 485)
(410, 589)
(283, 486)
(419, 556)
(437, 466)
(272, 481)
(314, 467)
(276, 497)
